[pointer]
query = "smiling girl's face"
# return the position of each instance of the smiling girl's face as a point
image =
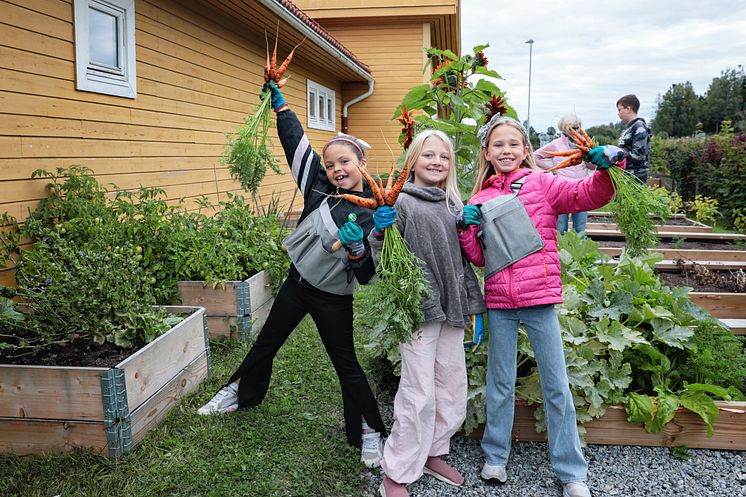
(341, 164)
(505, 149)
(433, 163)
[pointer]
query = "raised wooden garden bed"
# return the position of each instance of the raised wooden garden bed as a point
(63, 408)
(235, 309)
(737, 255)
(607, 234)
(613, 428)
(675, 224)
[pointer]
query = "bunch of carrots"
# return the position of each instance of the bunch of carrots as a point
(391, 305)
(247, 154)
(635, 203)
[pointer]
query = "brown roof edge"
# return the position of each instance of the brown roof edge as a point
(323, 33)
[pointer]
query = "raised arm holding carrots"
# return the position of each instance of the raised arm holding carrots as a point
(320, 283)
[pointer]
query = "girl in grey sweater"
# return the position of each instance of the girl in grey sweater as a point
(430, 404)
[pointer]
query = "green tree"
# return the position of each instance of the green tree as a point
(725, 100)
(678, 111)
(606, 134)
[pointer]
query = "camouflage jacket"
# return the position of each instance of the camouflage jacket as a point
(635, 140)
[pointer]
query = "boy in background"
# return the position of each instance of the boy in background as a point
(635, 139)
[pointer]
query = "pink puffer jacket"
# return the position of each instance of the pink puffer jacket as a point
(535, 279)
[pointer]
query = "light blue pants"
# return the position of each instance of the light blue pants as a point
(579, 220)
(543, 330)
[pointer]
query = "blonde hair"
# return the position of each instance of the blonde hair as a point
(450, 185)
(486, 169)
(567, 122)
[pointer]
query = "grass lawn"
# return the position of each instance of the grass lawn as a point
(292, 444)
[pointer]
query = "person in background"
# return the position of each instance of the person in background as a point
(579, 171)
(635, 139)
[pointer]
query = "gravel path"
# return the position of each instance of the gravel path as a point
(614, 470)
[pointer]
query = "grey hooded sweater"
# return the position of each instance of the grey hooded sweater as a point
(429, 230)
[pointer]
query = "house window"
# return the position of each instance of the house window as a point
(105, 47)
(321, 107)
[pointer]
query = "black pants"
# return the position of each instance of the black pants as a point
(333, 317)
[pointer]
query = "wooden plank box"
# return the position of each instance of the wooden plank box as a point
(721, 305)
(62, 408)
(612, 428)
(234, 309)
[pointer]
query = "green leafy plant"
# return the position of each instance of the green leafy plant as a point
(247, 154)
(71, 293)
(620, 327)
(671, 198)
(456, 101)
(704, 208)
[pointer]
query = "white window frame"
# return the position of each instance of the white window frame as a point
(318, 117)
(120, 80)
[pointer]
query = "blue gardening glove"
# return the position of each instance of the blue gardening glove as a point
(351, 237)
(277, 99)
(384, 217)
(605, 156)
(477, 333)
(469, 215)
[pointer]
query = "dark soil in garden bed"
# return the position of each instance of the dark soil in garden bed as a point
(686, 245)
(674, 221)
(701, 279)
(79, 353)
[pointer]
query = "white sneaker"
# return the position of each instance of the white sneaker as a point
(371, 449)
(494, 473)
(575, 489)
(226, 400)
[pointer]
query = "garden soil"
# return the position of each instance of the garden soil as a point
(80, 353)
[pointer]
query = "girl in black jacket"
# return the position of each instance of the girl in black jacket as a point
(320, 282)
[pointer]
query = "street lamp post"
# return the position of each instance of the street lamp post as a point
(528, 112)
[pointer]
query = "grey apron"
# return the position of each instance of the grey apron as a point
(309, 247)
(506, 233)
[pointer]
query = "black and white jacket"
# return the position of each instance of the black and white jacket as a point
(310, 175)
(635, 140)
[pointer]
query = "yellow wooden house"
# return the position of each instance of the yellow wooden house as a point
(143, 92)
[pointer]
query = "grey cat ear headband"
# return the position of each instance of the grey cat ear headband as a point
(485, 130)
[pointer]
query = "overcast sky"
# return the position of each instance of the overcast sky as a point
(588, 54)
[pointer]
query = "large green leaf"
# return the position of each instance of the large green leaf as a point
(667, 404)
(703, 405)
(640, 408)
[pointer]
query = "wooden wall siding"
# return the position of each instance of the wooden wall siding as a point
(197, 79)
(321, 9)
(394, 54)
(198, 76)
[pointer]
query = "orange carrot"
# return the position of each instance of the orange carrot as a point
(572, 161)
(367, 203)
(273, 60)
(393, 194)
(284, 66)
(563, 153)
(390, 181)
(377, 193)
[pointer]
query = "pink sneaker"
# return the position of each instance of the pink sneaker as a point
(437, 467)
(389, 488)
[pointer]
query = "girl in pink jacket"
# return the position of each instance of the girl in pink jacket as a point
(526, 289)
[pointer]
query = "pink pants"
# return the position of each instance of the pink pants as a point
(430, 405)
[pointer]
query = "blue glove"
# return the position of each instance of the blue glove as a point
(468, 216)
(477, 333)
(605, 156)
(384, 217)
(277, 99)
(351, 237)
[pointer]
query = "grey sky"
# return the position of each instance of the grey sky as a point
(588, 54)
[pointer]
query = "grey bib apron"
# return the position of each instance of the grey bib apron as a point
(506, 233)
(309, 247)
